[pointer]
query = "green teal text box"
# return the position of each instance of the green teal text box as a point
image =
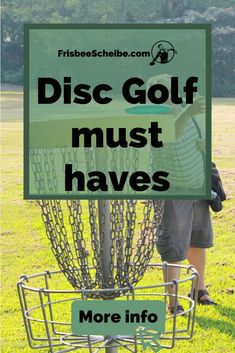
(121, 311)
(48, 126)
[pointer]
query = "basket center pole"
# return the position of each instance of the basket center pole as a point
(105, 242)
(105, 238)
(106, 258)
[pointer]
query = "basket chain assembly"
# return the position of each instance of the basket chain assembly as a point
(130, 248)
(103, 248)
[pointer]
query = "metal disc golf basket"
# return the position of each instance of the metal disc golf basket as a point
(103, 249)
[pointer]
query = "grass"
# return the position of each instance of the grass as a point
(26, 249)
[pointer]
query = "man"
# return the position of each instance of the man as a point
(186, 229)
(162, 54)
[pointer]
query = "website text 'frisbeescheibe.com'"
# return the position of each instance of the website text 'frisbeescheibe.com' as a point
(116, 53)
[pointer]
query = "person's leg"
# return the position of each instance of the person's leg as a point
(197, 258)
(173, 239)
(172, 273)
(201, 239)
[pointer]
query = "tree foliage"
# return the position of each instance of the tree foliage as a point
(223, 39)
(222, 18)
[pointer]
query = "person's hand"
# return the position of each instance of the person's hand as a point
(198, 106)
(201, 145)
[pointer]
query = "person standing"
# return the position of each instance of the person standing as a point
(186, 228)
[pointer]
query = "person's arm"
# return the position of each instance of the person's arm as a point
(172, 50)
(198, 107)
(157, 55)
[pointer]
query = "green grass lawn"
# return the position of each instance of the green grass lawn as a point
(26, 249)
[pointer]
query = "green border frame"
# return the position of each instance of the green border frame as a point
(27, 27)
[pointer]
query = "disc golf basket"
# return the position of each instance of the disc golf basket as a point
(103, 249)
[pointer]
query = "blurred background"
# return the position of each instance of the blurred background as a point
(221, 14)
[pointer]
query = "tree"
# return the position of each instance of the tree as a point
(17, 12)
(223, 39)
